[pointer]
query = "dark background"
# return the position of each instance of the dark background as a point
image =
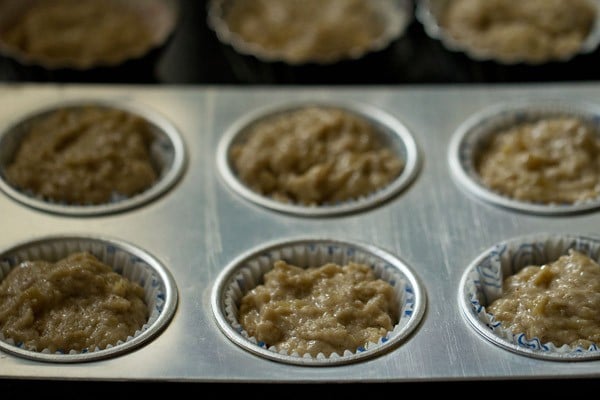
(194, 56)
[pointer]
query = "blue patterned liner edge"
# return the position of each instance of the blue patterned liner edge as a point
(159, 294)
(248, 273)
(481, 284)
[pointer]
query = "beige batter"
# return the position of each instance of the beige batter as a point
(557, 302)
(84, 155)
(76, 303)
(555, 160)
(315, 156)
(522, 30)
(326, 309)
(299, 31)
(79, 32)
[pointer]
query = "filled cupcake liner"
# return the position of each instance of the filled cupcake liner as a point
(167, 154)
(125, 259)
(482, 282)
(470, 137)
(395, 15)
(393, 132)
(246, 272)
(428, 12)
(161, 15)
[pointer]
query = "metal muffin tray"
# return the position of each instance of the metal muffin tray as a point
(200, 232)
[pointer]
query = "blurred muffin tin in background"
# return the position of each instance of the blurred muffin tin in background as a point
(47, 59)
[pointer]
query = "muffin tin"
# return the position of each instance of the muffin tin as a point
(430, 234)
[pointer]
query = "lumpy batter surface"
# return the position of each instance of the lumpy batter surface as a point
(327, 309)
(524, 30)
(87, 155)
(315, 156)
(76, 303)
(554, 160)
(557, 302)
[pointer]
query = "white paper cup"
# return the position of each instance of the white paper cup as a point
(167, 154)
(246, 272)
(394, 134)
(481, 284)
(133, 263)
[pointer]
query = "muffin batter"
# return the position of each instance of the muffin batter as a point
(554, 160)
(327, 309)
(300, 31)
(84, 155)
(557, 302)
(524, 30)
(314, 156)
(76, 303)
(79, 32)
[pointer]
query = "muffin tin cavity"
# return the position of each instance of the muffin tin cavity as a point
(393, 134)
(430, 12)
(475, 133)
(135, 264)
(246, 272)
(166, 152)
(482, 281)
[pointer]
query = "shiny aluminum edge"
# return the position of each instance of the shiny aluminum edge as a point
(168, 139)
(462, 143)
(398, 335)
(168, 294)
(390, 127)
(428, 11)
(472, 310)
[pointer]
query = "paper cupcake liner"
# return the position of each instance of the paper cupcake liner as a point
(395, 15)
(246, 272)
(166, 151)
(428, 12)
(482, 281)
(161, 15)
(393, 132)
(471, 135)
(133, 263)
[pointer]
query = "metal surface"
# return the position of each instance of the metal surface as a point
(199, 226)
